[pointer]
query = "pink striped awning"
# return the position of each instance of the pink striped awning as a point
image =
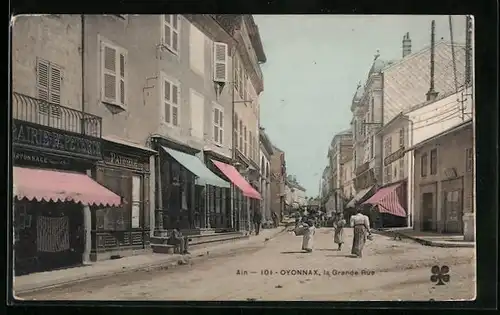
(388, 201)
(48, 185)
(238, 180)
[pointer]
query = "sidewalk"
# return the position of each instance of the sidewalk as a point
(428, 238)
(107, 268)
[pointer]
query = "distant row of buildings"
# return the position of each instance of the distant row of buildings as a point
(409, 154)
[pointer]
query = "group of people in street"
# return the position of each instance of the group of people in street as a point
(306, 226)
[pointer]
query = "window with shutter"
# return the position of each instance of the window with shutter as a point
(246, 95)
(245, 138)
(235, 127)
(241, 135)
(49, 88)
(171, 32)
(401, 167)
(423, 165)
(220, 62)
(218, 129)
(171, 101)
(242, 82)
(469, 160)
(433, 162)
(250, 137)
(236, 73)
(401, 137)
(114, 74)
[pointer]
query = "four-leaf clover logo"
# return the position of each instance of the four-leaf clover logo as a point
(440, 275)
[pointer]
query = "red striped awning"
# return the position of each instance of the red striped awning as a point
(388, 201)
(48, 185)
(238, 180)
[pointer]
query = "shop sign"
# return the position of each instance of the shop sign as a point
(40, 159)
(38, 137)
(114, 158)
(400, 153)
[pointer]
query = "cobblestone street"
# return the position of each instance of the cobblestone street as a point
(389, 270)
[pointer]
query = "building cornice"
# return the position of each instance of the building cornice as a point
(254, 34)
(212, 28)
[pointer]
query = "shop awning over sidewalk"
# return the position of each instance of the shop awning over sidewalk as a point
(359, 196)
(238, 180)
(58, 186)
(196, 166)
(388, 201)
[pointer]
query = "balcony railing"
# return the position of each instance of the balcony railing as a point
(48, 114)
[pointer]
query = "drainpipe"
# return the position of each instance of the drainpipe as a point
(82, 20)
(231, 86)
(87, 215)
(411, 176)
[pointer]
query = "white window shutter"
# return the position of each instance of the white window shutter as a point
(220, 62)
(55, 85)
(167, 99)
(123, 70)
(176, 23)
(43, 79)
(109, 80)
(55, 91)
(176, 96)
(43, 85)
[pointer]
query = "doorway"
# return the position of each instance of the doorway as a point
(453, 211)
(427, 212)
(49, 236)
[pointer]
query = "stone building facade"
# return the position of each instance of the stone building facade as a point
(444, 176)
(278, 178)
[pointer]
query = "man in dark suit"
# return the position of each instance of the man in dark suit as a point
(257, 221)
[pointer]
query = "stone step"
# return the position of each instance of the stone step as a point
(164, 248)
(195, 239)
(207, 243)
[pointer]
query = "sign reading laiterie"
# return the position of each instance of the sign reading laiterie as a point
(51, 139)
(394, 156)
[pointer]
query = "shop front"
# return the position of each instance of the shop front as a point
(246, 196)
(219, 204)
(182, 182)
(125, 170)
(388, 206)
(53, 193)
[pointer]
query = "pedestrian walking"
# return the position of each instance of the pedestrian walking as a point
(338, 226)
(275, 219)
(361, 225)
(308, 237)
(257, 221)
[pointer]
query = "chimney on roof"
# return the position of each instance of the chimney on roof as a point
(432, 94)
(406, 45)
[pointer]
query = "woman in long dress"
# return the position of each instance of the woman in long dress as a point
(338, 237)
(361, 225)
(308, 237)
